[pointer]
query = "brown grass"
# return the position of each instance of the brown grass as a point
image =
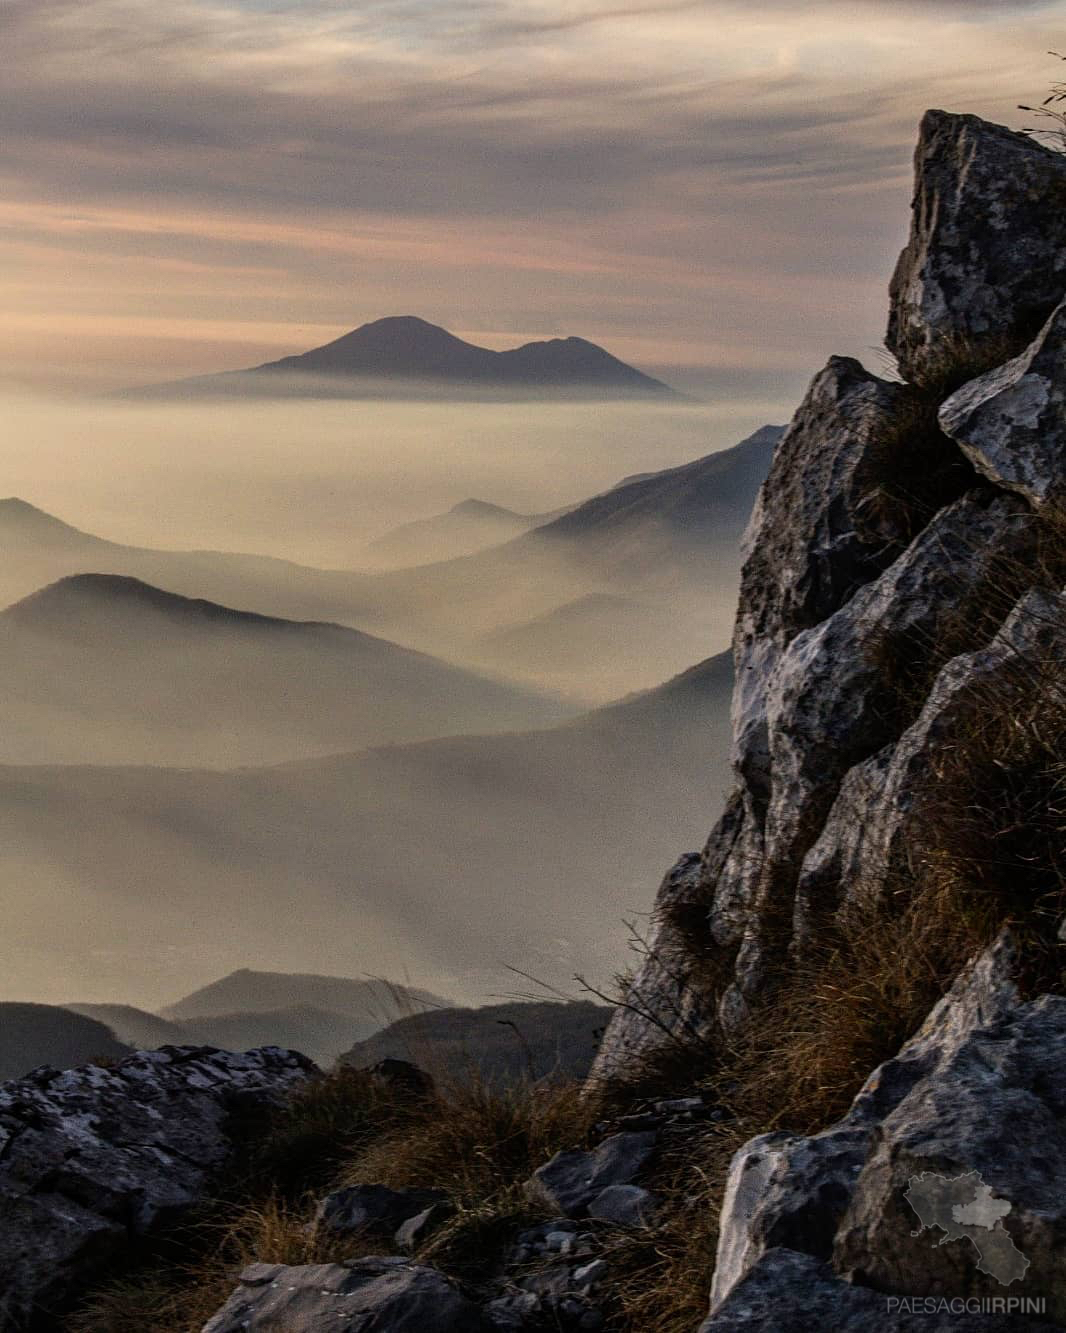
(986, 847)
(178, 1295)
(956, 358)
(477, 1142)
(910, 471)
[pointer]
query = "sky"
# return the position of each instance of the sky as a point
(713, 189)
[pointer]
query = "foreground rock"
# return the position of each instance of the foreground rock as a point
(980, 1089)
(574, 1180)
(373, 1208)
(987, 251)
(787, 1292)
(1011, 422)
(387, 1295)
(93, 1158)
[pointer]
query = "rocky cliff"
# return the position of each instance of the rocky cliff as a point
(898, 755)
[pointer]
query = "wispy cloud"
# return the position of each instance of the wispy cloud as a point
(491, 165)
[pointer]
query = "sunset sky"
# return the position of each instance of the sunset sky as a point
(711, 189)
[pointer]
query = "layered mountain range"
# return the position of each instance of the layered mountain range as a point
(611, 568)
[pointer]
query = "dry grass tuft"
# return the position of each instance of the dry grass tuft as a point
(910, 472)
(475, 1138)
(956, 358)
(479, 1142)
(179, 1295)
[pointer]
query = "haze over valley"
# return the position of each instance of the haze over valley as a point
(384, 399)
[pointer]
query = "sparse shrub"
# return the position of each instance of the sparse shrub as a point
(479, 1142)
(955, 358)
(1052, 112)
(914, 469)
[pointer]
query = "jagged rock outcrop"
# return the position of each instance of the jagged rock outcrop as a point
(93, 1158)
(986, 258)
(1011, 422)
(980, 1088)
(902, 593)
(868, 832)
(851, 606)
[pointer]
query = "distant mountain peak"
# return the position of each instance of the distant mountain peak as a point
(16, 511)
(483, 508)
(84, 592)
(406, 350)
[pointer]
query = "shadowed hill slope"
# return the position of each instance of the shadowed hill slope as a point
(104, 668)
(501, 1042)
(44, 1034)
(368, 1000)
(444, 860)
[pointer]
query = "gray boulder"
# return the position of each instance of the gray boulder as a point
(1011, 422)
(624, 1206)
(372, 1208)
(790, 1292)
(388, 1295)
(869, 829)
(980, 1088)
(573, 1179)
(986, 258)
(993, 1104)
(784, 1191)
(91, 1159)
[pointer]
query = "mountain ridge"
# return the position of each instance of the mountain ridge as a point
(405, 350)
(108, 668)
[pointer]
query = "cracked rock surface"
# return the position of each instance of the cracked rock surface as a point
(93, 1158)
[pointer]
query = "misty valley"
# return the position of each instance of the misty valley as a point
(436, 744)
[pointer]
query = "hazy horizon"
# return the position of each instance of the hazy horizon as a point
(246, 179)
(314, 481)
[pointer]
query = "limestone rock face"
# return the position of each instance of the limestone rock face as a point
(1011, 422)
(830, 701)
(867, 831)
(888, 543)
(902, 589)
(388, 1295)
(986, 256)
(980, 1088)
(806, 549)
(92, 1158)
